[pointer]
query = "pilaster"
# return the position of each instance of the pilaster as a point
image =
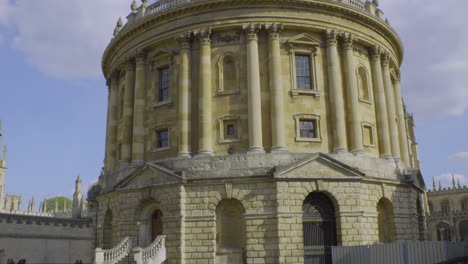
(112, 122)
(129, 94)
(276, 88)
(380, 103)
(138, 149)
(336, 93)
(354, 120)
(184, 86)
(205, 104)
(253, 87)
(390, 96)
(403, 136)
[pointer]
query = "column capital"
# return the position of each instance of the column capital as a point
(129, 62)
(331, 37)
(348, 41)
(140, 57)
(274, 30)
(114, 77)
(376, 52)
(385, 58)
(251, 30)
(397, 76)
(184, 40)
(204, 35)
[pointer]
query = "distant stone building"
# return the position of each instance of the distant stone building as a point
(448, 212)
(255, 132)
(43, 236)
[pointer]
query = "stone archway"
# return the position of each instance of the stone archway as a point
(230, 232)
(319, 228)
(107, 230)
(149, 223)
(386, 221)
(444, 232)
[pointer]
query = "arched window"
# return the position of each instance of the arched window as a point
(363, 84)
(443, 232)
(319, 228)
(230, 231)
(386, 221)
(445, 206)
(228, 74)
(107, 230)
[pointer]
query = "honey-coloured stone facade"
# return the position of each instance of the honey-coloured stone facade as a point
(236, 123)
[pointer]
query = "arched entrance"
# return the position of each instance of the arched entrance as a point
(230, 232)
(107, 231)
(443, 232)
(386, 221)
(463, 227)
(319, 228)
(156, 225)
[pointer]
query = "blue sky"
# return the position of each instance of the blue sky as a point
(53, 96)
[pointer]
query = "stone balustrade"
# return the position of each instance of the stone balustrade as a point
(451, 213)
(153, 254)
(161, 6)
(114, 255)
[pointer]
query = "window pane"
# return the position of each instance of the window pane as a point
(162, 139)
(307, 128)
(163, 84)
(303, 72)
(230, 130)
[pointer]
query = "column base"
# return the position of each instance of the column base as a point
(279, 149)
(184, 154)
(339, 150)
(255, 150)
(386, 156)
(137, 162)
(204, 153)
(357, 151)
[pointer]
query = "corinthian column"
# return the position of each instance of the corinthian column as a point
(112, 122)
(401, 123)
(390, 96)
(138, 145)
(184, 110)
(127, 133)
(206, 123)
(380, 104)
(276, 86)
(336, 94)
(352, 103)
(253, 83)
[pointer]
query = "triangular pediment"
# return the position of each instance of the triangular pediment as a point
(304, 39)
(150, 175)
(318, 166)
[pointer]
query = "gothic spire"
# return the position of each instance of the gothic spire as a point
(433, 184)
(453, 181)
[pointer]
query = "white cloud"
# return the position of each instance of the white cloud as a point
(446, 180)
(435, 65)
(65, 39)
(459, 158)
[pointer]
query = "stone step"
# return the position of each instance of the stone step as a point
(127, 260)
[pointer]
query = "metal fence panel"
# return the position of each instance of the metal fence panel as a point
(426, 252)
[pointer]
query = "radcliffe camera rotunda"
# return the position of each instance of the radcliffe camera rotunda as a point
(259, 131)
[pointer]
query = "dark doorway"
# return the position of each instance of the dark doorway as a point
(319, 228)
(156, 225)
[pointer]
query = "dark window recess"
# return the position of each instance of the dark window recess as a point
(308, 128)
(163, 93)
(303, 72)
(230, 130)
(162, 138)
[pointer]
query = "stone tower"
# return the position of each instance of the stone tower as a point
(77, 206)
(3, 170)
(246, 131)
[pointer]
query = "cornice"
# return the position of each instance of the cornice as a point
(127, 33)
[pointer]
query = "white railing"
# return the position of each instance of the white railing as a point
(356, 3)
(153, 254)
(114, 255)
(164, 5)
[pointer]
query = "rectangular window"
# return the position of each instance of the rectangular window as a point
(163, 92)
(308, 128)
(162, 138)
(303, 72)
(230, 131)
(368, 135)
